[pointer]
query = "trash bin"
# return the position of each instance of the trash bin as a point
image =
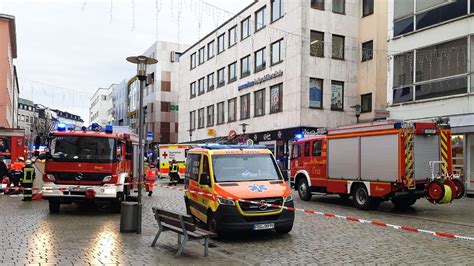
(128, 217)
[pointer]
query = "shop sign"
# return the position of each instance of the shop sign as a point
(260, 80)
(211, 132)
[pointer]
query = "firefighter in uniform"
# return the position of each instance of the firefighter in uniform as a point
(151, 174)
(16, 169)
(174, 175)
(27, 179)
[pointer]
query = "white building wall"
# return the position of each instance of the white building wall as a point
(298, 66)
(100, 110)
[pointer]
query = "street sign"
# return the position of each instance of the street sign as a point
(174, 107)
(149, 136)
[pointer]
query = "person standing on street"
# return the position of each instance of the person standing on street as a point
(174, 175)
(151, 174)
(27, 179)
(16, 172)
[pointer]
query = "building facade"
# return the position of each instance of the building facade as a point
(431, 72)
(160, 94)
(27, 117)
(101, 107)
(277, 71)
(8, 78)
(120, 104)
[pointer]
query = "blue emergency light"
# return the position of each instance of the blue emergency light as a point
(109, 129)
(61, 127)
(298, 136)
(94, 126)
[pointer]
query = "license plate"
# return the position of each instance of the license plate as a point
(263, 226)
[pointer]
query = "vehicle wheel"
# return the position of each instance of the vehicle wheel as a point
(403, 203)
(362, 200)
(54, 206)
(303, 190)
(460, 188)
(284, 229)
(212, 224)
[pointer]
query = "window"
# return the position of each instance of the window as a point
(367, 51)
(201, 89)
(245, 66)
(306, 148)
(259, 103)
(193, 90)
(337, 47)
(220, 113)
(315, 93)
(337, 96)
(368, 7)
(276, 101)
(232, 113)
(245, 106)
(317, 44)
(232, 36)
(245, 28)
(27, 119)
(317, 148)
(232, 72)
(317, 4)
(193, 60)
(339, 6)
(210, 115)
(220, 43)
(366, 103)
(221, 77)
(202, 55)
(210, 50)
(276, 52)
(260, 60)
(260, 19)
(201, 118)
(210, 82)
(192, 120)
(205, 165)
(438, 11)
(403, 69)
(296, 152)
(277, 9)
(177, 56)
(194, 163)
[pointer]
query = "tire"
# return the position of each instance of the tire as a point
(304, 190)
(212, 224)
(403, 203)
(284, 229)
(54, 206)
(362, 200)
(460, 188)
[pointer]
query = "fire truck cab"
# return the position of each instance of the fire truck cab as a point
(89, 165)
(12, 144)
(395, 161)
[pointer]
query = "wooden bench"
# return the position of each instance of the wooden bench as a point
(183, 225)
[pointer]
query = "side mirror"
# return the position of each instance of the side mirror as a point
(204, 179)
(285, 175)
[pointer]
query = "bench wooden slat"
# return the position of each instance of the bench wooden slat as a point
(190, 227)
(178, 230)
(186, 218)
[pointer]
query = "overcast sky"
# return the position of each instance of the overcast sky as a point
(69, 48)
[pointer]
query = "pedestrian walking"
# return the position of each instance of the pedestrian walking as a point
(151, 174)
(174, 174)
(27, 179)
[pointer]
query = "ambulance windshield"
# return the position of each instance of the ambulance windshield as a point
(5, 147)
(244, 167)
(83, 149)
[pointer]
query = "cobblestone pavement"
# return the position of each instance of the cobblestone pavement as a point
(88, 236)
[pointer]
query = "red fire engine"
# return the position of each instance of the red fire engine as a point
(89, 166)
(12, 144)
(395, 161)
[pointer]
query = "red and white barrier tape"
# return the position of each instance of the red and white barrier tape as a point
(326, 214)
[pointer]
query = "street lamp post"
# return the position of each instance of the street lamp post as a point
(244, 127)
(358, 109)
(141, 62)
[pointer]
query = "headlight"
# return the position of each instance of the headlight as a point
(225, 201)
(107, 178)
(289, 198)
(50, 177)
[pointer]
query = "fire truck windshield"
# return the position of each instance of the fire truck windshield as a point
(83, 149)
(244, 167)
(5, 147)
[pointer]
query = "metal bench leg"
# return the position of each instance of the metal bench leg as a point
(181, 247)
(156, 237)
(206, 246)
